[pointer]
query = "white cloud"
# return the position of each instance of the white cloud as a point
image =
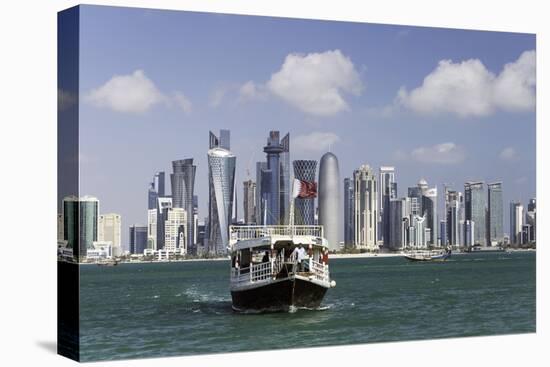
(316, 83)
(468, 88)
(217, 96)
(508, 154)
(445, 153)
(251, 91)
(315, 142)
(133, 93)
(183, 102)
(515, 86)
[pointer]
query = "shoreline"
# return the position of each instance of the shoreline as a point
(331, 256)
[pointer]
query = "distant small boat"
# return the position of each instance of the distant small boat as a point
(428, 255)
(108, 263)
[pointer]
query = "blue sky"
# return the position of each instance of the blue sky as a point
(153, 83)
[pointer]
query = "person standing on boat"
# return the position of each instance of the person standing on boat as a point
(266, 257)
(299, 253)
(302, 255)
(324, 257)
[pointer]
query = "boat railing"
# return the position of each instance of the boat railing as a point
(258, 272)
(240, 233)
(320, 271)
(268, 270)
(261, 272)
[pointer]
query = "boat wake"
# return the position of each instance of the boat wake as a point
(291, 310)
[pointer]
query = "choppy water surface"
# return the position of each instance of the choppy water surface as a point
(148, 310)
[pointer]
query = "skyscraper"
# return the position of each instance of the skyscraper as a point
(183, 186)
(399, 220)
(526, 234)
(249, 201)
(304, 208)
(223, 141)
(175, 233)
(476, 210)
(138, 239)
(365, 208)
(60, 236)
(221, 173)
(348, 212)
(531, 218)
(152, 229)
(516, 223)
(429, 209)
(195, 228)
(418, 237)
(443, 233)
(284, 183)
(275, 180)
(109, 230)
(454, 205)
(329, 199)
(387, 192)
(415, 194)
(469, 230)
(262, 190)
(234, 213)
(164, 204)
(495, 215)
(156, 190)
(80, 223)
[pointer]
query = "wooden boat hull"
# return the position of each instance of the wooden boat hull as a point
(279, 295)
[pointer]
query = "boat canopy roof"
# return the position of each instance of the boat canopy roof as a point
(242, 237)
(267, 242)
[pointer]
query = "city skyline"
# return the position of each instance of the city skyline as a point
(368, 119)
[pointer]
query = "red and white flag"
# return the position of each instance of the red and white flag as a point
(304, 189)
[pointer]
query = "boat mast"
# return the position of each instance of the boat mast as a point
(291, 216)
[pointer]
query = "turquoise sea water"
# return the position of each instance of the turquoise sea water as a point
(167, 309)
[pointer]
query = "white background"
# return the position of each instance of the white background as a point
(28, 182)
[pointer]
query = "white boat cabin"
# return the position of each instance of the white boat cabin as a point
(261, 254)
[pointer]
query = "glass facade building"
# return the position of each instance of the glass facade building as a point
(261, 191)
(495, 215)
(399, 220)
(221, 141)
(454, 208)
(476, 210)
(221, 172)
(429, 209)
(156, 190)
(284, 183)
(348, 212)
(80, 223)
(387, 192)
(249, 201)
(138, 239)
(183, 186)
(164, 204)
(516, 223)
(365, 216)
(275, 188)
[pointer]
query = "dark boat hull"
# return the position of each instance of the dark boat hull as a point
(281, 295)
